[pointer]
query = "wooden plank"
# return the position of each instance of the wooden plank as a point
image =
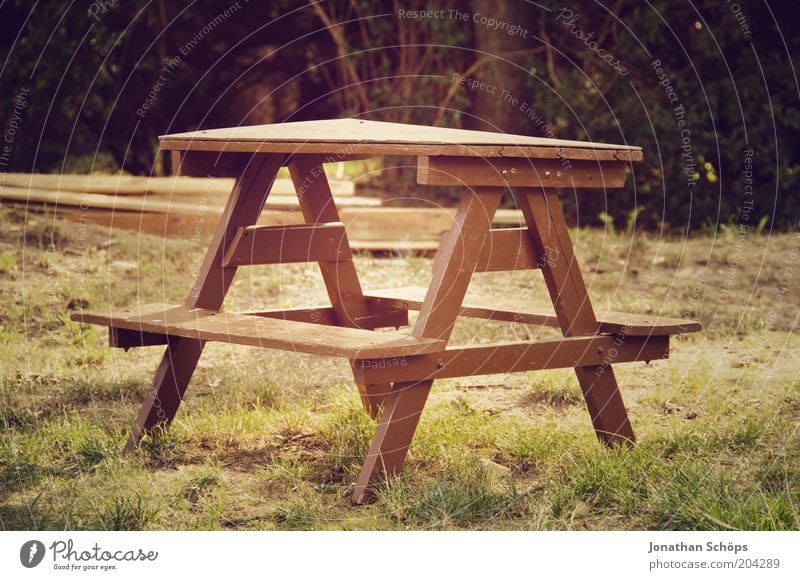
(192, 161)
(103, 184)
(610, 322)
(519, 172)
(379, 317)
(420, 247)
(201, 324)
(286, 244)
(507, 250)
(358, 150)
(153, 204)
(368, 229)
(381, 228)
(198, 202)
(574, 310)
(357, 136)
(513, 357)
(87, 202)
(208, 163)
(452, 270)
(123, 338)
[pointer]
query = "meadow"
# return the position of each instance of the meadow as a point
(274, 440)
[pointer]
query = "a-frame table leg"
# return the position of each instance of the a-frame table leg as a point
(573, 308)
(180, 359)
(341, 278)
(452, 270)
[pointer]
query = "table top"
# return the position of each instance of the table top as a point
(350, 137)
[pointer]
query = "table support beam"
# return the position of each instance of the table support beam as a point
(341, 278)
(453, 267)
(489, 359)
(180, 359)
(567, 289)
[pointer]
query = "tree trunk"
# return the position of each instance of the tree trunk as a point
(492, 109)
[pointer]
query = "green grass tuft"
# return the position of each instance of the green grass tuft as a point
(275, 440)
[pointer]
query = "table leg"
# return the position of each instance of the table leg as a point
(452, 270)
(180, 359)
(573, 308)
(341, 278)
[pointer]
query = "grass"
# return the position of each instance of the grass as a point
(274, 440)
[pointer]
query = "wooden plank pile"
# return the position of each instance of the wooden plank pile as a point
(192, 206)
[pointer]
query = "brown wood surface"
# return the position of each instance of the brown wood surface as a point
(200, 203)
(378, 317)
(185, 187)
(452, 270)
(357, 150)
(367, 227)
(123, 338)
(507, 250)
(325, 242)
(395, 370)
(340, 137)
(224, 161)
(519, 172)
(574, 310)
(487, 359)
(266, 332)
(611, 322)
(455, 262)
(182, 354)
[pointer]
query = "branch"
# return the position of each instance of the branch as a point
(334, 29)
(551, 67)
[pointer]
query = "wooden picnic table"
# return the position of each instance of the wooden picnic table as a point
(395, 369)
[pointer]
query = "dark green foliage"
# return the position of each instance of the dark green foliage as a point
(100, 84)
